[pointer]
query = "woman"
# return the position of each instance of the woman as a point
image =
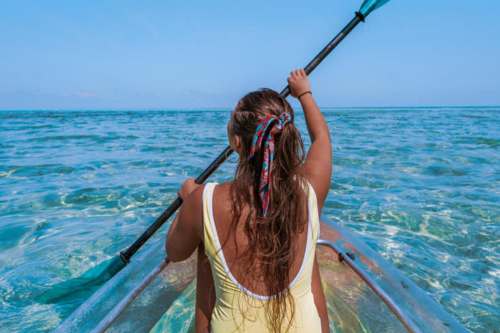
(256, 235)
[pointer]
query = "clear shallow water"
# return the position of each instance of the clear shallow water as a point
(422, 186)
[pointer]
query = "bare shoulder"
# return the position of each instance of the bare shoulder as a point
(319, 178)
(222, 192)
(196, 197)
(222, 200)
(192, 210)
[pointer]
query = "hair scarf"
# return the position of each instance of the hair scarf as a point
(263, 140)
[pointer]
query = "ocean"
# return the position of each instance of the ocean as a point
(419, 185)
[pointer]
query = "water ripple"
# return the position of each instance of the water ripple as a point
(420, 185)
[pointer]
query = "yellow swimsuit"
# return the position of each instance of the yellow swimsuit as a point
(233, 299)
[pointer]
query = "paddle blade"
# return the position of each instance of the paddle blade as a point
(369, 6)
(87, 283)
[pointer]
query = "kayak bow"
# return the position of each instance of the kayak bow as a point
(364, 293)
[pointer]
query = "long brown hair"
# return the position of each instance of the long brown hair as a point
(270, 250)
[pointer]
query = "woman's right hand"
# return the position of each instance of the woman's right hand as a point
(187, 188)
(298, 82)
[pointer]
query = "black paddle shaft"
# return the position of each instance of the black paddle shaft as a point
(130, 251)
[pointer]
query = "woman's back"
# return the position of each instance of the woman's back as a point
(240, 292)
(235, 240)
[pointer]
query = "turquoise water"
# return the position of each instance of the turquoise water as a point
(422, 186)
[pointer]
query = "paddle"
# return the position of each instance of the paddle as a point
(107, 269)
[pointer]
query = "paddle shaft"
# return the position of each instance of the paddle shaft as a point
(132, 249)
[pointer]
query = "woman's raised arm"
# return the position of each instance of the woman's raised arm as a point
(318, 165)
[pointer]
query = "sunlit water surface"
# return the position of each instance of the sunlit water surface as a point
(421, 186)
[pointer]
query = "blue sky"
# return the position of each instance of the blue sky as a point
(197, 54)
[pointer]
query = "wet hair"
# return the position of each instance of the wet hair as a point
(271, 236)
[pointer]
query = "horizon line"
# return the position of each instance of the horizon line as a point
(225, 108)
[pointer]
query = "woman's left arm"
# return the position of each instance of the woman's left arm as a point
(186, 232)
(205, 293)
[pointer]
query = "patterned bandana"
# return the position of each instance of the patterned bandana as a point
(263, 139)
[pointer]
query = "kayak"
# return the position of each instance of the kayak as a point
(364, 293)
